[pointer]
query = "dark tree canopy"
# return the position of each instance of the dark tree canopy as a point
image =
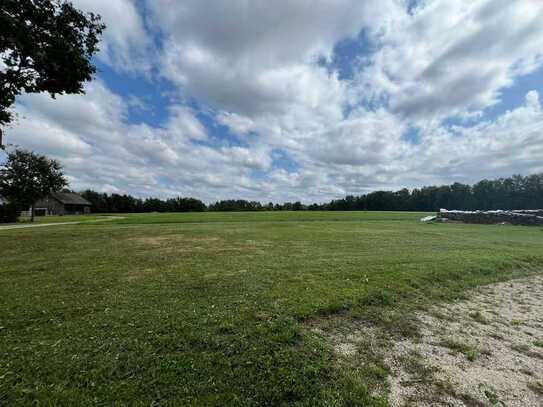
(115, 203)
(27, 177)
(516, 192)
(45, 46)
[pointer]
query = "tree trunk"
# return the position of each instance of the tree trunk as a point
(32, 213)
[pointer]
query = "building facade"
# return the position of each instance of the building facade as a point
(62, 203)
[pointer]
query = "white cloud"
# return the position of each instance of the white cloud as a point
(365, 152)
(261, 57)
(450, 58)
(90, 135)
(513, 143)
(183, 122)
(256, 67)
(126, 44)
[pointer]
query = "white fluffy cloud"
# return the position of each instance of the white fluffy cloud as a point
(265, 71)
(90, 135)
(450, 58)
(260, 57)
(362, 153)
(126, 44)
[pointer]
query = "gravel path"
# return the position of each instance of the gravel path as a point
(39, 225)
(485, 351)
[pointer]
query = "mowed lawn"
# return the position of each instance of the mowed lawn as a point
(212, 308)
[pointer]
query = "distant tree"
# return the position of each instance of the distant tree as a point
(402, 201)
(533, 191)
(27, 177)
(297, 206)
(461, 196)
(484, 194)
(191, 205)
(45, 46)
(115, 203)
(516, 192)
(99, 202)
(231, 205)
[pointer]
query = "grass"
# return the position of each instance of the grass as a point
(210, 308)
(490, 394)
(471, 352)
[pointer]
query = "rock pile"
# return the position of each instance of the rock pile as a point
(522, 217)
(536, 212)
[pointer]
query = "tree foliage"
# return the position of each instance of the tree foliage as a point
(516, 192)
(45, 46)
(116, 203)
(27, 177)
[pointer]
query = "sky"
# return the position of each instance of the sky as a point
(305, 100)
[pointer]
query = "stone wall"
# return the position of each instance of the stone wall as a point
(527, 218)
(536, 212)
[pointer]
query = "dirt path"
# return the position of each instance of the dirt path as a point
(483, 351)
(39, 225)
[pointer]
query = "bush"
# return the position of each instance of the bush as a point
(8, 213)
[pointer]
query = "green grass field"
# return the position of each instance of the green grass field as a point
(212, 308)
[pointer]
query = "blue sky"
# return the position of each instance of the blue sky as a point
(308, 100)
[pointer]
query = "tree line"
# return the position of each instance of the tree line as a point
(116, 203)
(516, 192)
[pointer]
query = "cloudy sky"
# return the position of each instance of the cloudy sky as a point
(299, 100)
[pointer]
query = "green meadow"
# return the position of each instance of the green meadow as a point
(214, 308)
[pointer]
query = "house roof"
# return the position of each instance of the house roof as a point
(70, 198)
